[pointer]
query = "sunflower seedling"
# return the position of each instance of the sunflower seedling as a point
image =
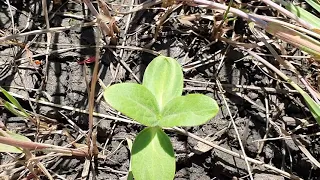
(158, 103)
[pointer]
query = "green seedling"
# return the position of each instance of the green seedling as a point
(15, 108)
(158, 103)
(302, 13)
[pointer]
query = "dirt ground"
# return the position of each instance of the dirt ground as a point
(247, 92)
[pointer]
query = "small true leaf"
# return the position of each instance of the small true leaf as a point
(13, 149)
(134, 101)
(152, 155)
(190, 110)
(164, 78)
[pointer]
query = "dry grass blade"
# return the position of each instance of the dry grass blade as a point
(314, 108)
(238, 12)
(107, 16)
(288, 13)
(236, 130)
(45, 12)
(285, 174)
(285, 63)
(42, 31)
(111, 28)
(142, 6)
(92, 90)
(295, 38)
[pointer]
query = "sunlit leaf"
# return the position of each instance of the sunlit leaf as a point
(158, 103)
(14, 101)
(314, 4)
(10, 107)
(135, 101)
(302, 13)
(9, 149)
(313, 106)
(164, 78)
(152, 155)
(190, 110)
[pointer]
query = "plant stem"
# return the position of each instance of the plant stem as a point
(39, 146)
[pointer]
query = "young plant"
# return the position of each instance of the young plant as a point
(158, 103)
(15, 108)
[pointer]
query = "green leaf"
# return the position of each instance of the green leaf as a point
(190, 110)
(9, 149)
(130, 176)
(164, 78)
(314, 4)
(14, 101)
(13, 109)
(152, 155)
(134, 101)
(13, 149)
(313, 106)
(303, 14)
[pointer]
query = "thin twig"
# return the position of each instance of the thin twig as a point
(74, 109)
(288, 13)
(186, 133)
(282, 75)
(92, 90)
(238, 12)
(236, 130)
(42, 31)
(236, 87)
